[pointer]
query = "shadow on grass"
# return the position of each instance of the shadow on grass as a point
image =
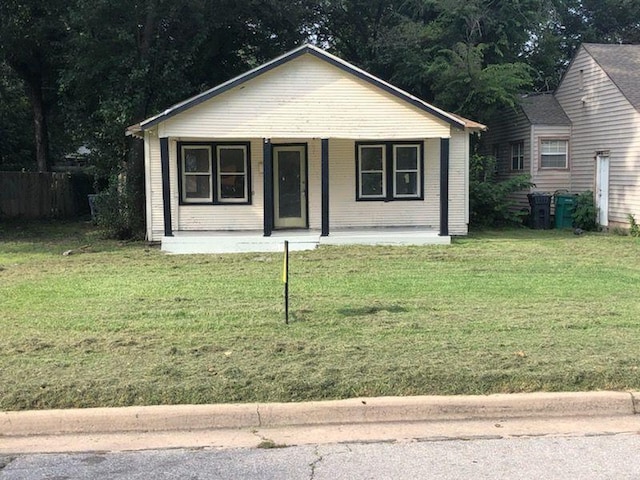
(370, 310)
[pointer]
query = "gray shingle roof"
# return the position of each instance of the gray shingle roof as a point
(622, 64)
(543, 109)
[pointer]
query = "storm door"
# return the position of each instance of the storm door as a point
(289, 186)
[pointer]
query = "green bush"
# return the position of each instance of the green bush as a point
(585, 213)
(120, 207)
(634, 228)
(488, 196)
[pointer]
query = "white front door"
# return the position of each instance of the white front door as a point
(289, 186)
(602, 188)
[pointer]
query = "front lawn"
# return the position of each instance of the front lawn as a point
(116, 324)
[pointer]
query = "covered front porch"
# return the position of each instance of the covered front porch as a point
(202, 242)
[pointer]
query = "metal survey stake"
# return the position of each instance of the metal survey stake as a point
(285, 280)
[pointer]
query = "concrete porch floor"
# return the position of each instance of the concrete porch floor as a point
(188, 242)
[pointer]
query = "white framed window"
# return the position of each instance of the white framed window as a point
(389, 171)
(196, 173)
(232, 174)
(214, 173)
(406, 171)
(554, 153)
(517, 156)
(372, 165)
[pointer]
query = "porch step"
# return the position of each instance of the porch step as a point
(216, 243)
(245, 242)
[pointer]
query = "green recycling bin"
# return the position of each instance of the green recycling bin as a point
(565, 203)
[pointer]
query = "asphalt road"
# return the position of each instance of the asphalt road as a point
(549, 457)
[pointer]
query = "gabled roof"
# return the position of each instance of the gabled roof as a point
(622, 64)
(453, 120)
(543, 109)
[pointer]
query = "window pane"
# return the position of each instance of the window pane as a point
(371, 184)
(554, 161)
(197, 186)
(370, 158)
(196, 160)
(407, 158)
(406, 183)
(231, 160)
(554, 146)
(232, 186)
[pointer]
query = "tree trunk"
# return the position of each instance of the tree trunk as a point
(34, 90)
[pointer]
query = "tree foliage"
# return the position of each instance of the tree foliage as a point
(78, 72)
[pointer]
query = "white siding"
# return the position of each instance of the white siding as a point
(602, 119)
(458, 183)
(153, 170)
(305, 98)
(549, 180)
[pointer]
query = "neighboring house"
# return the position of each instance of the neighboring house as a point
(308, 148)
(587, 133)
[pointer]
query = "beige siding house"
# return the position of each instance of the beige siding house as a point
(583, 137)
(307, 148)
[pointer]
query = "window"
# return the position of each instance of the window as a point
(517, 156)
(214, 173)
(406, 171)
(388, 171)
(554, 154)
(373, 176)
(232, 174)
(196, 174)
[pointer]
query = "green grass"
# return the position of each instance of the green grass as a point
(117, 324)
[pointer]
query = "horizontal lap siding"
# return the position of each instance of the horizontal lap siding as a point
(155, 223)
(306, 98)
(550, 180)
(604, 121)
(219, 217)
(458, 183)
(345, 211)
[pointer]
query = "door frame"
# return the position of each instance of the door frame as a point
(603, 160)
(303, 147)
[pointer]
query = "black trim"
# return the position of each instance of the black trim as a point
(267, 162)
(444, 187)
(306, 178)
(214, 172)
(166, 186)
(320, 54)
(389, 171)
(324, 155)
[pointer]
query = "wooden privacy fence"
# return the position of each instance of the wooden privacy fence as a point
(43, 195)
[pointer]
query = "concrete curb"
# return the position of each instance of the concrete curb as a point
(333, 412)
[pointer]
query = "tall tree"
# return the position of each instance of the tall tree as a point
(31, 36)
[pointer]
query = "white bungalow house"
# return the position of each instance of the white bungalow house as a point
(306, 148)
(584, 136)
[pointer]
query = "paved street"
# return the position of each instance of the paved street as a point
(583, 457)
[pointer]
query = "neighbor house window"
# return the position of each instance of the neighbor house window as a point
(214, 173)
(196, 174)
(554, 153)
(517, 156)
(389, 170)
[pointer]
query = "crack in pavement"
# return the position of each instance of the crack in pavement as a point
(313, 464)
(259, 417)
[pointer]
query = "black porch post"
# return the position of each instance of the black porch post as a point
(267, 162)
(444, 187)
(166, 186)
(325, 186)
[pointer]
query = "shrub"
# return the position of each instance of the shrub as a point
(585, 213)
(120, 207)
(488, 197)
(634, 228)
